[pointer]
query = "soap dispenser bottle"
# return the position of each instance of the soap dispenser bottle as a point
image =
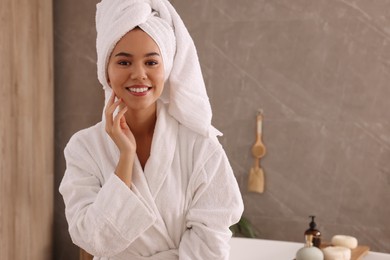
(315, 233)
(309, 252)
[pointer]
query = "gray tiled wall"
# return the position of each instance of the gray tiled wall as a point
(319, 70)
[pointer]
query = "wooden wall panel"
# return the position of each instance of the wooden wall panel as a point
(26, 129)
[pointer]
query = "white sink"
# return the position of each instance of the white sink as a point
(260, 249)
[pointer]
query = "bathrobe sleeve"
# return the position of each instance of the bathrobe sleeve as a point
(103, 218)
(216, 205)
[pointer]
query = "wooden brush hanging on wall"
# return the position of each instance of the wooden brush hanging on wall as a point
(256, 174)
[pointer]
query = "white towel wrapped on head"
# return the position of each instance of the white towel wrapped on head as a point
(184, 90)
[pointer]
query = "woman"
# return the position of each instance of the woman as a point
(150, 181)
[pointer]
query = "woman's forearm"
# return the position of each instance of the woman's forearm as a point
(124, 168)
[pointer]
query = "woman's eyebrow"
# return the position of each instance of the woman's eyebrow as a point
(152, 54)
(131, 55)
(123, 54)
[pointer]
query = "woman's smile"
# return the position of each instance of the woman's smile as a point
(139, 90)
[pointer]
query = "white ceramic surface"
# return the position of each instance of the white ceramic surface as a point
(259, 249)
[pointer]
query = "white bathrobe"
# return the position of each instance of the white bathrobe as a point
(179, 207)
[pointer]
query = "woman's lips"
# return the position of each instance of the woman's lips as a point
(139, 90)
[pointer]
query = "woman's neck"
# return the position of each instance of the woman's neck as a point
(142, 122)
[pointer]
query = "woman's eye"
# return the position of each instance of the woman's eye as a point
(151, 63)
(124, 63)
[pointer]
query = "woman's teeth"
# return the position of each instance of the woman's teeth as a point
(138, 90)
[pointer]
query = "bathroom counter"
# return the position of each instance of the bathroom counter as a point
(260, 249)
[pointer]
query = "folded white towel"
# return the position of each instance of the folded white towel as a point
(184, 90)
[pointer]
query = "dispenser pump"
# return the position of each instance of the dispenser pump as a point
(315, 234)
(312, 223)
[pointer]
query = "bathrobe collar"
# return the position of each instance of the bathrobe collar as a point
(161, 154)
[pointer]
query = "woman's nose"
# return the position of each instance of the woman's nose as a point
(138, 72)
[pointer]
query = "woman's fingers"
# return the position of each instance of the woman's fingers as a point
(109, 111)
(109, 103)
(120, 118)
(112, 97)
(115, 124)
(117, 128)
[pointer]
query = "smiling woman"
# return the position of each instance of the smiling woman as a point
(136, 76)
(151, 180)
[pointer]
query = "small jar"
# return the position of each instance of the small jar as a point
(309, 252)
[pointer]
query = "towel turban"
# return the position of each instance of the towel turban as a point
(184, 90)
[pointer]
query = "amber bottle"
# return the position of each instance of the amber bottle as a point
(315, 233)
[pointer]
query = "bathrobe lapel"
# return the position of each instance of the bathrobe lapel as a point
(148, 182)
(162, 150)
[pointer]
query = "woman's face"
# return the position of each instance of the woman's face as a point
(136, 70)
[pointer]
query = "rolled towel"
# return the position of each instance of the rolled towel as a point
(336, 253)
(344, 241)
(185, 90)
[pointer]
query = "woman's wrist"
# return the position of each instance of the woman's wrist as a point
(124, 168)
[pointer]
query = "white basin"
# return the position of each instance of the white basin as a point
(260, 249)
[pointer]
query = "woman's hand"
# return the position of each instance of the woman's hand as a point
(117, 128)
(120, 133)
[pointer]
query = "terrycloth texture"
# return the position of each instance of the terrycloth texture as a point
(179, 207)
(185, 90)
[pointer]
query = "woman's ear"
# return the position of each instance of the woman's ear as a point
(108, 81)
